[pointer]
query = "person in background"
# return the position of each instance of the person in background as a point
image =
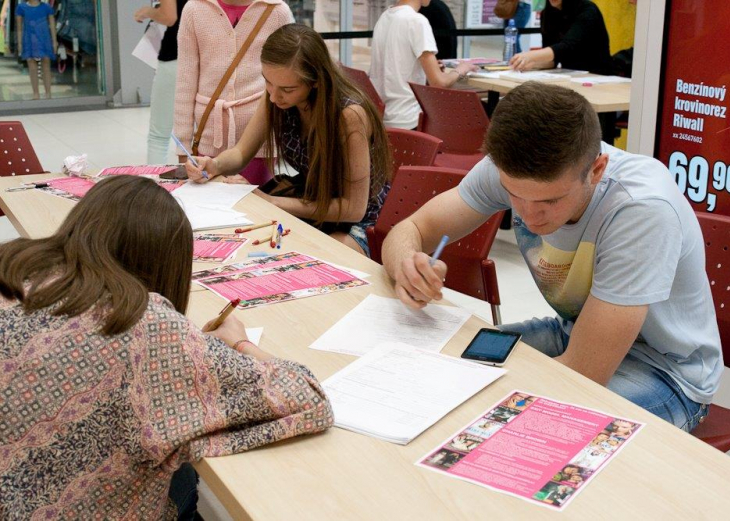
(162, 98)
(404, 50)
(440, 18)
(613, 246)
(36, 27)
(109, 391)
(211, 33)
(574, 36)
(326, 128)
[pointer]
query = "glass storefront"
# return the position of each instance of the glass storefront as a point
(93, 63)
(76, 69)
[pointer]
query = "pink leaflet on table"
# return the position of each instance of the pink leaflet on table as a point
(73, 185)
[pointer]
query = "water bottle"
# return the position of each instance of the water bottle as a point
(510, 41)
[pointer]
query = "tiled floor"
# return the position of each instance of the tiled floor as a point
(119, 137)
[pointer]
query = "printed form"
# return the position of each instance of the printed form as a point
(396, 392)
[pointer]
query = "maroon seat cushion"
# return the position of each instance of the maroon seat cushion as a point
(715, 430)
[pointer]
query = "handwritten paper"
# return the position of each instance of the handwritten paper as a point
(379, 319)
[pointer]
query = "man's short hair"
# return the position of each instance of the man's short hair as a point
(538, 131)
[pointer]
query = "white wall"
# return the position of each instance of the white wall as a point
(135, 78)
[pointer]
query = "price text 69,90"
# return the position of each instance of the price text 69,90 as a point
(693, 178)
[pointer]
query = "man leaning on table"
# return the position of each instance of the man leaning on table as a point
(611, 242)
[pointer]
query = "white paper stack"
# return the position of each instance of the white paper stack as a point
(396, 392)
(210, 205)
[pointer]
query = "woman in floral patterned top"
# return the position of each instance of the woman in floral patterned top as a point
(106, 389)
(322, 125)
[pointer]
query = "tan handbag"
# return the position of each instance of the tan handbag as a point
(228, 74)
(506, 9)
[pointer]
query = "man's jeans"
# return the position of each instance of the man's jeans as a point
(637, 381)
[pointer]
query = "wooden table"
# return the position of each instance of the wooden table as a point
(339, 475)
(606, 97)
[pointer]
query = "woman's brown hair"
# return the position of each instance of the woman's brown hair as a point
(127, 237)
(303, 49)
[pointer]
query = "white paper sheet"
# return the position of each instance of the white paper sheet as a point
(484, 74)
(209, 217)
(396, 392)
(148, 47)
(359, 274)
(378, 319)
(212, 194)
(598, 80)
(254, 334)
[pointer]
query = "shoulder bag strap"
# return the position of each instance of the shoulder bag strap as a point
(227, 76)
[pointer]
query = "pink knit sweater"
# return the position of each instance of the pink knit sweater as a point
(206, 46)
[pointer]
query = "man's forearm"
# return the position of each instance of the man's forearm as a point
(402, 241)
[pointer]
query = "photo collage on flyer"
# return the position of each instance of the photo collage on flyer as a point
(532, 447)
(216, 247)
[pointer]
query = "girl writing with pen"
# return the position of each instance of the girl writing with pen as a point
(325, 127)
(112, 391)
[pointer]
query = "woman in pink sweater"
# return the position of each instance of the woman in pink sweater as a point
(210, 35)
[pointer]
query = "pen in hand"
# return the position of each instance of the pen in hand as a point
(190, 157)
(225, 312)
(439, 249)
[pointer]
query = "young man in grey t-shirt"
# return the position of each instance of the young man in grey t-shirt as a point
(611, 242)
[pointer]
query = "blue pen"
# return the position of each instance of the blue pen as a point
(439, 249)
(192, 160)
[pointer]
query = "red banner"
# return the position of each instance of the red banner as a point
(693, 133)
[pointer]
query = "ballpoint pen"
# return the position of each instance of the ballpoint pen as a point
(30, 186)
(190, 157)
(439, 249)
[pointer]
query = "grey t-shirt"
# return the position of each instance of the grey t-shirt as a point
(637, 243)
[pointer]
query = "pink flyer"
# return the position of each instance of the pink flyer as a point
(209, 247)
(73, 188)
(169, 184)
(534, 448)
(151, 171)
(277, 278)
(137, 170)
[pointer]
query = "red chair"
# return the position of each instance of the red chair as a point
(456, 116)
(362, 80)
(715, 430)
(17, 156)
(470, 271)
(411, 148)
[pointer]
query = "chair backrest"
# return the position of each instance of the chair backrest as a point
(716, 232)
(411, 148)
(17, 156)
(456, 116)
(362, 80)
(466, 258)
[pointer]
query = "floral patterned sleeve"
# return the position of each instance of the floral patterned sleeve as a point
(196, 397)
